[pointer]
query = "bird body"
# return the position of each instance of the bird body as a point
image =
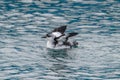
(57, 39)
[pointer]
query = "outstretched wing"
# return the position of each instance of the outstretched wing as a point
(57, 32)
(70, 35)
(60, 29)
(65, 38)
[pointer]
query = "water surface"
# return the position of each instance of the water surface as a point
(23, 53)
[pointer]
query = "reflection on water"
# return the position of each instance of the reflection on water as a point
(60, 65)
(57, 53)
(23, 53)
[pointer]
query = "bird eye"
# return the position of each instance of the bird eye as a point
(48, 35)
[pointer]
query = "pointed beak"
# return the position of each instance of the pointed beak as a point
(47, 35)
(44, 37)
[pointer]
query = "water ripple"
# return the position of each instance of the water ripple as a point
(23, 54)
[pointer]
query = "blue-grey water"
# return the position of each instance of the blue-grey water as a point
(23, 53)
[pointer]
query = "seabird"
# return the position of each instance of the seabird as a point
(57, 39)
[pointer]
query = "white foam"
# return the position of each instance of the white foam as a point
(87, 26)
(51, 77)
(47, 15)
(13, 13)
(9, 26)
(40, 18)
(59, 19)
(1, 24)
(27, 15)
(117, 35)
(8, 50)
(54, 19)
(86, 2)
(106, 22)
(40, 23)
(49, 1)
(2, 17)
(99, 14)
(30, 26)
(20, 30)
(27, 1)
(78, 0)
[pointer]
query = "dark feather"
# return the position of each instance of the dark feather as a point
(70, 35)
(60, 29)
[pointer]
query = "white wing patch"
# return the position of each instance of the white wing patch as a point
(62, 38)
(56, 34)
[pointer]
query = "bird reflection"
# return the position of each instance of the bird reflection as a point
(59, 60)
(57, 53)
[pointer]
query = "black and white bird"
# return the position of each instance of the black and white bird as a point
(57, 39)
